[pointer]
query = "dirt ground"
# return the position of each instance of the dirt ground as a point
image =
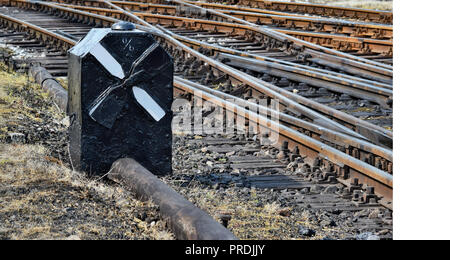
(40, 196)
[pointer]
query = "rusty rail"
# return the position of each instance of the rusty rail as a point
(374, 94)
(290, 39)
(264, 87)
(328, 57)
(298, 104)
(284, 20)
(38, 32)
(296, 123)
(360, 30)
(334, 41)
(383, 17)
(216, 49)
(377, 95)
(350, 166)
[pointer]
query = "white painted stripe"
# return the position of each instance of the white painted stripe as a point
(108, 61)
(148, 103)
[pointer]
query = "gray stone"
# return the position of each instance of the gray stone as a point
(331, 189)
(374, 214)
(304, 191)
(317, 188)
(367, 236)
(17, 137)
(306, 232)
(328, 223)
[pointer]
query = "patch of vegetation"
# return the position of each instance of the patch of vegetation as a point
(252, 218)
(44, 200)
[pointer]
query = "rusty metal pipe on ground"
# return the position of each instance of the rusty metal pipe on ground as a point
(49, 84)
(186, 220)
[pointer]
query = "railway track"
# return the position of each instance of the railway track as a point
(298, 98)
(236, 162)
(187, 17)
(322, 57)
(284, 76)
(275, 19)
(337, 152)
(383, 17)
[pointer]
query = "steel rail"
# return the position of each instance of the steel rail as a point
(245, 78)
(351, 28)
(374, 133)
(381, 96)
(349, 66)
(383, 100)
(270, 90)
(334, 41)
(294, 40)
(381, 180)
(335, 58)
(319, 9)
(214, 5)
(43, 34)
(215, 49)
(291, 122)
(362, 145)
(297, 104)
(383, 91)
(241, 8)
(373, 31)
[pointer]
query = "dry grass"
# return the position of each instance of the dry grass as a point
(41, 198)
(44, 200)
(251, 219)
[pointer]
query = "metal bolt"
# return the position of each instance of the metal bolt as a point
(123, 26)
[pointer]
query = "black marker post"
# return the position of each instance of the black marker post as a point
(120, 98)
